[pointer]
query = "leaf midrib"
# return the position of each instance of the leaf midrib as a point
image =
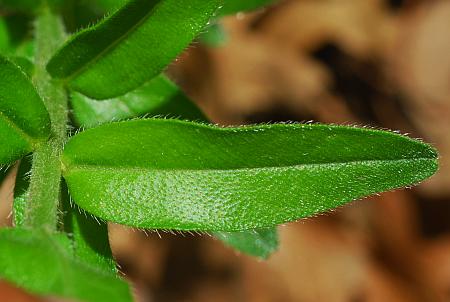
(300, 166)
(95, 59)
(31, 140)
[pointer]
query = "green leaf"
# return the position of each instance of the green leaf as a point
(158, 97)
(172, 174)
(235, 6)
(44, 264)
(260, 243)
(161, 96)
(24, 121)
(24, 64)
(131, 46)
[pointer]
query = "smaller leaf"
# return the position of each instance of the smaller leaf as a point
(158, 97)
(260, 243)
(44, 264)
(131, 46)
(24, 120)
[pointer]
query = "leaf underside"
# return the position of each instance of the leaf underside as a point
(157, 97)
(24, 120)
(131, 46)
(170, 174)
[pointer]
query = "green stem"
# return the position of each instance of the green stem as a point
(44, 191)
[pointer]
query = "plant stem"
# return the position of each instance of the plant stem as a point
(44, 191)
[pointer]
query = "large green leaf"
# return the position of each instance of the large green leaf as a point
(180, 175)
(161, 97)
(24, 121)
(260, 243)
(131, 46)
(158, 97)
(44, 264)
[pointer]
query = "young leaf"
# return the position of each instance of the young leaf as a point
(260, 243)
(24, 121)
(158, 97)
(44, 264)
(131, 46)
(172, 174)
(235, 6)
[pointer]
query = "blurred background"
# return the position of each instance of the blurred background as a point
(377, 63)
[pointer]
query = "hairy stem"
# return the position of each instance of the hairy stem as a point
(44, 191)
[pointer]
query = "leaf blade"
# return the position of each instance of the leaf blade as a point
(160, 96)
(92, 61)
(24, 120)
(179, 175)
(54, 271)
